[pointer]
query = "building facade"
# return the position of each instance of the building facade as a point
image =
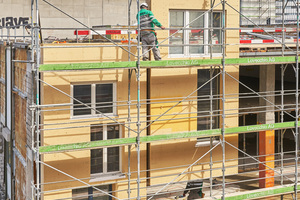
(91, 121)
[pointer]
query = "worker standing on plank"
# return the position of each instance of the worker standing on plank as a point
(148, 34)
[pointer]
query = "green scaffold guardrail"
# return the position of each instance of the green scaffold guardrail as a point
(155, 138)
(168, 63)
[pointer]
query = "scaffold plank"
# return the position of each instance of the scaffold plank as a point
(155, 138)
(260, 193)
(167, 63)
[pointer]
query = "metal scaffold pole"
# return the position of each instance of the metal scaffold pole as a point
(138, 123)
(297, 105)
(211, 138)
(211, 96)
(33, 111)
(129, 101)
(37, 101)
(129, 122)
(223, 99)
(283, 67)
(281, 132)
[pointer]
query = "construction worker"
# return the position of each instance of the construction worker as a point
(148, 34)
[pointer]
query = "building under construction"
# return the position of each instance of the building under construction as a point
(82, 117)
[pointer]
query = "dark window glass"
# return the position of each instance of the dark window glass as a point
(80, 194)
(83, 94)
(91, 193)
(204, 103)
(104, 98)
(112, 131)
(97, 195)
(112, 161)
(96, 154)
(113, 153)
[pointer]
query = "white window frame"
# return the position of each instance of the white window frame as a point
(186, 19)
(105, 154)
(93, 101)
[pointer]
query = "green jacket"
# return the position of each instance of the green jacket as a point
(147, 19)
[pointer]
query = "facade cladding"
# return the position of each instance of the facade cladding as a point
(89, 12)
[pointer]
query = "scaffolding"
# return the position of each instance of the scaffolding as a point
(261, 12)
(220, 186)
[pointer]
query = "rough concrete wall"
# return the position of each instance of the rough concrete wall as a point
(89, 12)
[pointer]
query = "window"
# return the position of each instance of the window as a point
(98, 96)
(92, 194)
(207, 107)
(198, 37)
(205, 104)
(105, 160)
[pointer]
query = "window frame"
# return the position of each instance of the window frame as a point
(93, 100)
(186, 49)
(94, 175)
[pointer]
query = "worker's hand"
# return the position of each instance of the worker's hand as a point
(162, 27)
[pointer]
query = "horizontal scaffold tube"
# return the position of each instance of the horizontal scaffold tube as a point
(154, 138)
(168, 63)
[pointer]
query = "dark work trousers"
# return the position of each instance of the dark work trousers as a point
(148, 38)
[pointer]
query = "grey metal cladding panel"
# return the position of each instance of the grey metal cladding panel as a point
(29, 100)
(2, 119)
(8, 186)
(6, 133)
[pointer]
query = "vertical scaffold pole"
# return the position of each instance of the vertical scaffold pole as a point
(211, 138)
(297, 105)
(129, 28)
(138, 104)
(282, 95)
(244, 143)
(129, 101)
(37, 114)
(281, 120)
(211, 97)
(223, 99)
(33, 189)
(129, 122)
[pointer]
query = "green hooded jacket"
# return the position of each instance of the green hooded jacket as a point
(147, 19)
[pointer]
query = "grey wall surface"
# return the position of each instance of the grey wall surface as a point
(89, 12)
